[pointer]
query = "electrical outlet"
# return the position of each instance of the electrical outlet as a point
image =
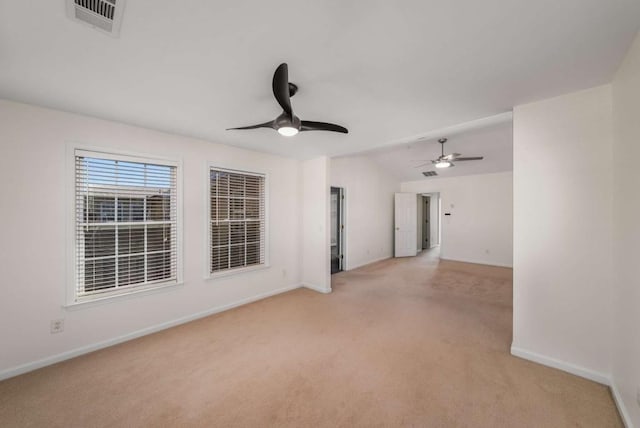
(57, 326)
(284, 273)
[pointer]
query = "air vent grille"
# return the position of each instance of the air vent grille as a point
(104, 8)
(429, 173)
(104, 15)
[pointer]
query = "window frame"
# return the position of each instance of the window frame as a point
(72, 299)
(207, 274)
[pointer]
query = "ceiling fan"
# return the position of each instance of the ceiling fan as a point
(446, 161)
(287, 123)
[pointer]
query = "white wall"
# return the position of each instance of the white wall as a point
(626, 242)
(563, 231)
(479, 229)
(33, 216)
(369, 209)
(316, 232)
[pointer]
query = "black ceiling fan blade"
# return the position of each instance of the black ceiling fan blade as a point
(468, 159)
(308, 125)
(281, 88)
(269, 124)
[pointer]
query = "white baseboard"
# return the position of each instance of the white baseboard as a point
(561, 365)
(578, 371)
(478, 262)
(624, 413)
(359, 265)
(316, 288)
(24, 368)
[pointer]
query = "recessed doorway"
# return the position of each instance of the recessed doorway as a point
(428, 235)
(337, 229)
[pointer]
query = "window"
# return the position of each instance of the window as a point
(125, 224)
(237, 220)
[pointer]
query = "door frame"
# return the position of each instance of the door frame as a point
(437, 196)
(341, 227)
(426, 222)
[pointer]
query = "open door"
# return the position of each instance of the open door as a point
(406, 207)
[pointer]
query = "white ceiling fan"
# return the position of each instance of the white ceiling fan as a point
(446, 161)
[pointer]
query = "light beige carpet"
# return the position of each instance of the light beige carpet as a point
(404, 342)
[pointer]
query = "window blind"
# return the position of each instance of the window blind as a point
(126, 224)
(237, 220)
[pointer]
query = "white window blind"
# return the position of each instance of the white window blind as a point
(237, 220)
(126, 224)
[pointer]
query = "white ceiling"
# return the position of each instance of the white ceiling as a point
(494, 142)
(387, 70)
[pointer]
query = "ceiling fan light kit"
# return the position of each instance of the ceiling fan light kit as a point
(287, 123)
(287, 131)
(287, 126)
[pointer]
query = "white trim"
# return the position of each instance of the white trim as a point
(206, 198)
(116, 155)
(70, 222)
(622, 409)
(33, 365)
(316, 288)
(343, 221)
(180, 220)
(141, 156)
(73, 149)
(561, 365)
(478, 262)
(327, 226)
(578, 371)
(135, 292)
(379, 259)
(236, 271)
(206, 268)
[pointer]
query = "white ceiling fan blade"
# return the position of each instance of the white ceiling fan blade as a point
(451, 156)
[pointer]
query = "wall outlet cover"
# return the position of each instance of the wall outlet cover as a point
(57, 326)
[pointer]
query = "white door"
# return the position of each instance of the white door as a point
(406, 227)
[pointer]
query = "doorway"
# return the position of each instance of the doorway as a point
(337, 230)
(426, 219)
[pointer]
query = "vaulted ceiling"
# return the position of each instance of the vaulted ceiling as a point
(408, 161)
(387, 70)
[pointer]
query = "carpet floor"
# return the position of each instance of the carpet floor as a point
(402, 342)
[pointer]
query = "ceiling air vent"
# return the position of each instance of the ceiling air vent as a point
(103, 15)
(429, 173)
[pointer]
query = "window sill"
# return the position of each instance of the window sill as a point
(98, 301)
(234, 272)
